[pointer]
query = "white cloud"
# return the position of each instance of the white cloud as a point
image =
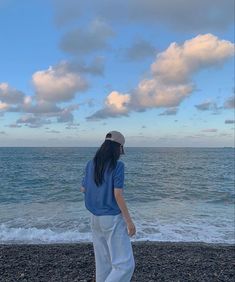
(152, 94)
(38, 111)
(3, 106)
(18, 102)
(10, 95)
(57, 84)
(115, 105)
(117, 101)
(65, 116)
(172, 73)
(179, 62)
(28, 100)
(32, 121)
(40, 107)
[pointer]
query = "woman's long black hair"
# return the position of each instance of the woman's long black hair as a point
(106, 156)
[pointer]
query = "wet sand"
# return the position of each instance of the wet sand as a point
(155, 261)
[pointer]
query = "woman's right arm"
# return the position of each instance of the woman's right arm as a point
(123, 207)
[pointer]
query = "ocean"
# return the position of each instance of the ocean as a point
(173, 194)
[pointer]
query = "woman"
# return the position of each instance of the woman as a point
(111, 222)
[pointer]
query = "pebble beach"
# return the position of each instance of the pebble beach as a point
(155, 261)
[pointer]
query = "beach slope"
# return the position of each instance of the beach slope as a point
(155, 261)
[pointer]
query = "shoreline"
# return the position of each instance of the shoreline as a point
(155, 261)
(209, 244)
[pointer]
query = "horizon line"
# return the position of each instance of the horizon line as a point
(125, 147)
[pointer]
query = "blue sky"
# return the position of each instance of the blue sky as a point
(161, 72)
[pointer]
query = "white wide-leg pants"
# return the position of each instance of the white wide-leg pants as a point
(112, 246)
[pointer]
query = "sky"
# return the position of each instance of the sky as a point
(159, 71)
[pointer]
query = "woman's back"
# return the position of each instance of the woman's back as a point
(100, 200)
(111, 223)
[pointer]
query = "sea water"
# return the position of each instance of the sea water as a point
(173, 194)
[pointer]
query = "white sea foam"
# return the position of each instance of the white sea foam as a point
(182, 232)
(166, 232)
(35, 235)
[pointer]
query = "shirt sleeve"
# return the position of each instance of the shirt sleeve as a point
(118, 179)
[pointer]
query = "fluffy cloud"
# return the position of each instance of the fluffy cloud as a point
(36, 111)
(172, 74)
(152, 94)
(57, 84)
(115, 105)
(179, 62)
(65, 116)
(83, 41)
(11, 99)
(41, 107)
(10, 95)
(32, 121)
(117, 101)
(3, 106)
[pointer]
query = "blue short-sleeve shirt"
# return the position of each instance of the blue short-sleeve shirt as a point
(101, 200)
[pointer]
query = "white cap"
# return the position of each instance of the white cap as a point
(116, 136)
